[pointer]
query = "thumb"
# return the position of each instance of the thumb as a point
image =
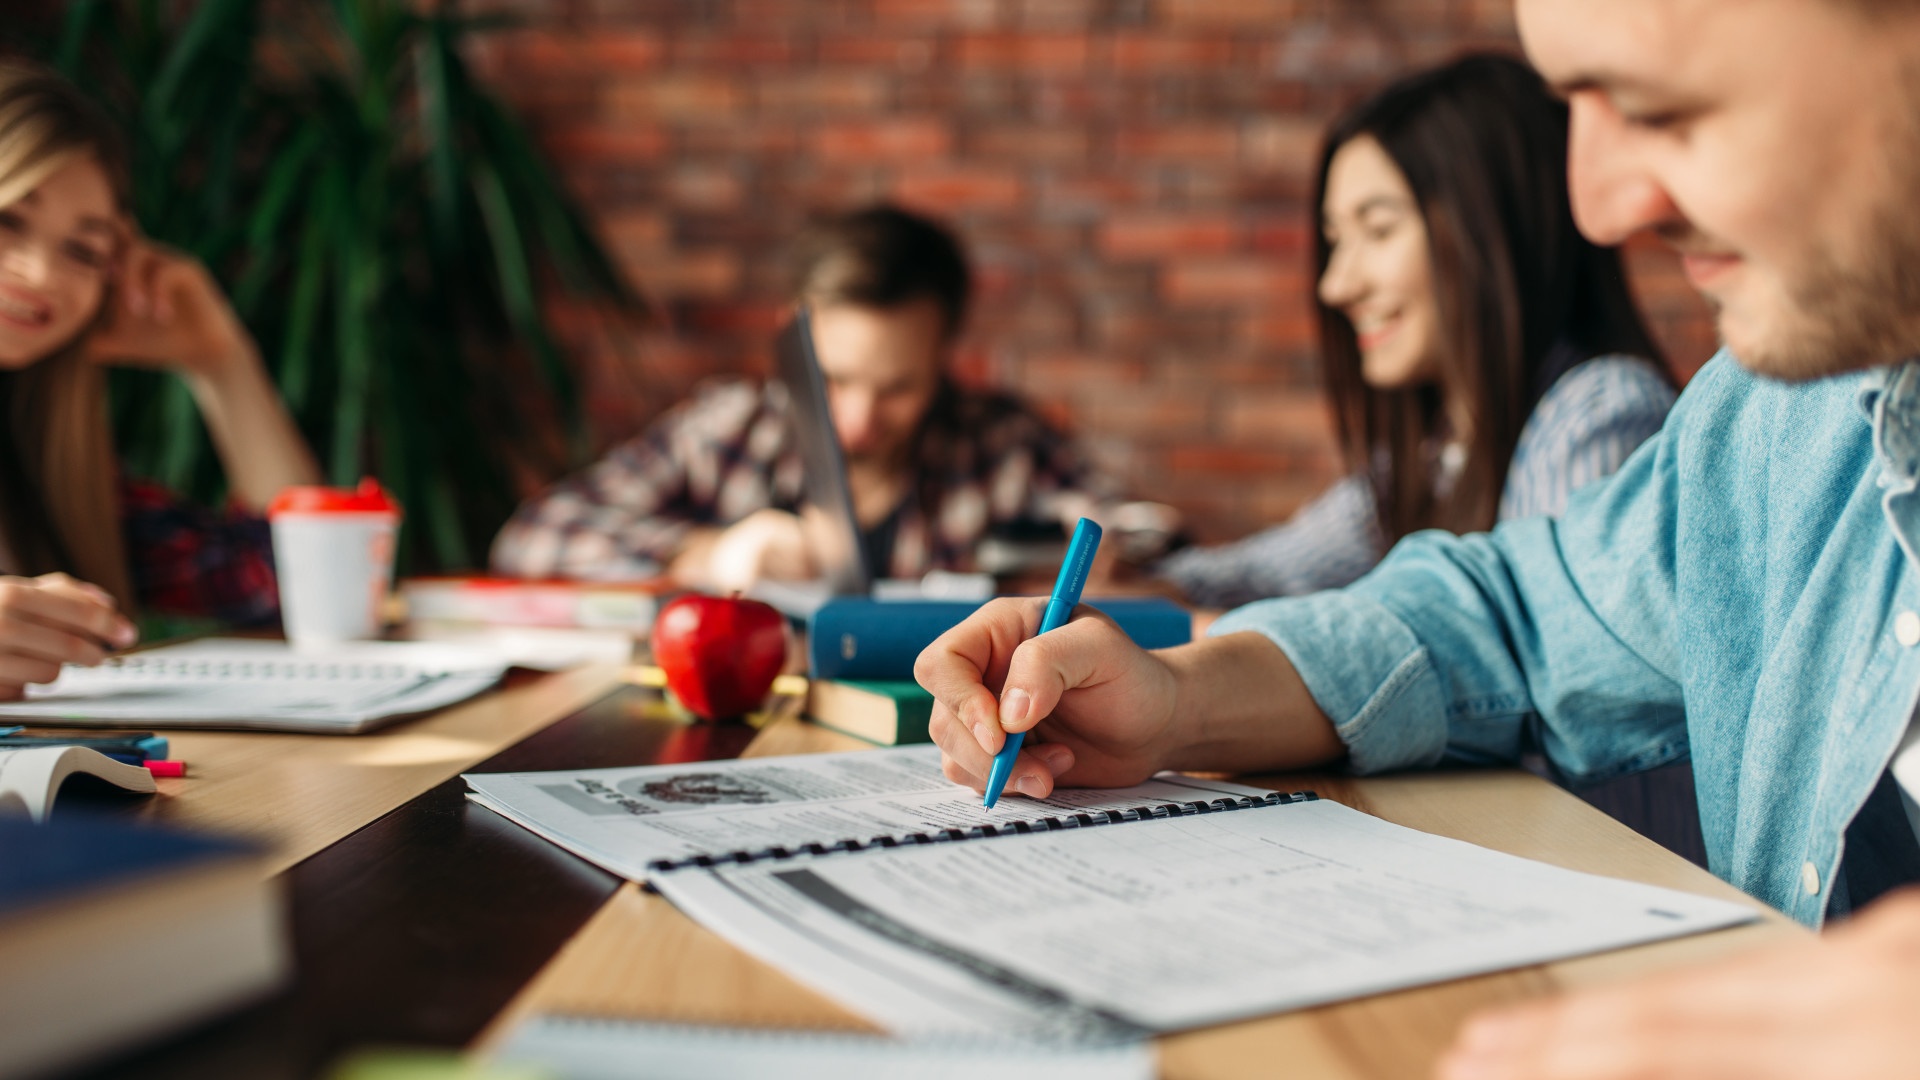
(1084, 652)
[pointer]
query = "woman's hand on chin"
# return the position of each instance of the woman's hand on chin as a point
(166, 311)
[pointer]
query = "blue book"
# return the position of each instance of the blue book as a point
(67, 857)
(112, 935)
(853, 637)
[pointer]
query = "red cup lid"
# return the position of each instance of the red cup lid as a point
(368, 498)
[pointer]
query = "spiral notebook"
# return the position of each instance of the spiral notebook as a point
(1176, 917)
(640, 820)
(265, 685)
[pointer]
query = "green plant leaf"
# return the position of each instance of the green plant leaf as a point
(201, 28)
(283, 181)
(74, 32)
(381, 222)
(298, 353)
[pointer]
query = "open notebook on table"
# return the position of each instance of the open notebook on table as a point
(244, 683)
(1164, 923)
(1091, 915)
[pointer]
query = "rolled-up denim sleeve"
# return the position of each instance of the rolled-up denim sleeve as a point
(1541, 634)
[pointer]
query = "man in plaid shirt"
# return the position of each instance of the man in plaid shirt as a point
(711, 493)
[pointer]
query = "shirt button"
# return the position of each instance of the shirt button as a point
(1906, 629)
(1809, 879)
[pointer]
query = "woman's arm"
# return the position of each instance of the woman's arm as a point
(1584, 428)
(1328, 543)
(169, 312)
(261, 449)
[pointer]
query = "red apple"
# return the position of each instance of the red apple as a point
(720, 654)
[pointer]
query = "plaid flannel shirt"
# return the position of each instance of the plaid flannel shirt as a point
(189, 560)
(985, 463)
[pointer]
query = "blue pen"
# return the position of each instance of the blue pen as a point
(1066, 596)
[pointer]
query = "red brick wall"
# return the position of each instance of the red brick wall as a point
(1130, 176)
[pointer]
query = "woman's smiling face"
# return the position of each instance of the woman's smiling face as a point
(1379, 274)
(57, 249)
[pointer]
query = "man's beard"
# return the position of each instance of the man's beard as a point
(1843, 316)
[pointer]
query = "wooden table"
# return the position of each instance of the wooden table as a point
(297, 794)
(420, 919)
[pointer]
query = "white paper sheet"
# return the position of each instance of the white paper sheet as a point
(626, 819)
(1166, 925)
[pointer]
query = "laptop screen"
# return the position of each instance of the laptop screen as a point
(831, 522)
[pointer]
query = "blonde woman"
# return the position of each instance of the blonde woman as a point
(82, 548)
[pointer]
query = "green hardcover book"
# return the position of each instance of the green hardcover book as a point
(890, 712)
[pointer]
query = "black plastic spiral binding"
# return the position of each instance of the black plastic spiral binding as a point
(953, 835)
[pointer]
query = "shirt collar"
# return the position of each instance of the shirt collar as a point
(1890, 396)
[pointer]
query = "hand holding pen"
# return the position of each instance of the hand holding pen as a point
(1074, 571)
(1103, 707)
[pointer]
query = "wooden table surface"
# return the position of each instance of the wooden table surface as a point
(421, 919)
(297, 794)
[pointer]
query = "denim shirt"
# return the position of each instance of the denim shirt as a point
(1734, 588)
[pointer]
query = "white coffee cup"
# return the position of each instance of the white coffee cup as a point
(333, 552)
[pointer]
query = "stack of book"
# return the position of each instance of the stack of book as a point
(886, 712)
(112, 935)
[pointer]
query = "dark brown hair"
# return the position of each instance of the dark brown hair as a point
(883, 256)
(59, 506)
(1522, 295)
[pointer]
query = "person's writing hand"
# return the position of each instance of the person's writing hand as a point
(1838, 1006)
(53, 620)
(764, 544)
(1100, 708)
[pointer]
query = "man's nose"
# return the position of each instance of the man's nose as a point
(1613, 191)
(853, 419)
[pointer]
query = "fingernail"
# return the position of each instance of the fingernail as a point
(979, 729)
(1014, 706)
(125, 634)
(1029, 785)
(1058, 758)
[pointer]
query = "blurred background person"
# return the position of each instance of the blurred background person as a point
(710, 494)
(81, 545)
(1484, 360)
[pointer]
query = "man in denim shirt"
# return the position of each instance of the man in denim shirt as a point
(1746, 589)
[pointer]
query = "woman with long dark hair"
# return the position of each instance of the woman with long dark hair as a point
(1484, 360)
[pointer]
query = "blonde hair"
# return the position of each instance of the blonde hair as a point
(59, 498)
